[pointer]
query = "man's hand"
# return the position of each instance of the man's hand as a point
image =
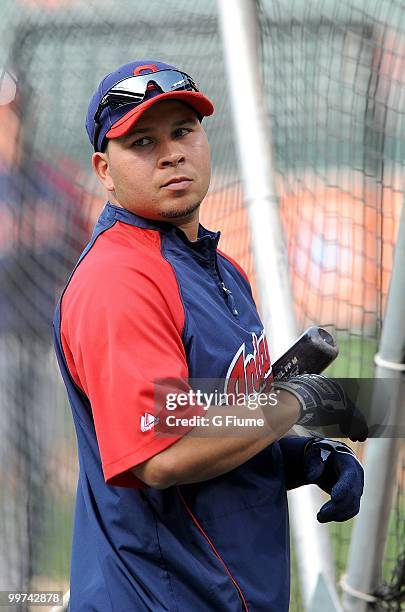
(323, 402)
(336, 470)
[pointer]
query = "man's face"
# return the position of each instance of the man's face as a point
(167, 141)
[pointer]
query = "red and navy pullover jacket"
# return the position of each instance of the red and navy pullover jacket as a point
(143, 303)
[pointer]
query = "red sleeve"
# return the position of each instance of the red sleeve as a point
(120, 332)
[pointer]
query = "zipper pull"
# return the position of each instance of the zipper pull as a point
(230, 298)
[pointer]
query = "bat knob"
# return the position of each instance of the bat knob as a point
(326, 336)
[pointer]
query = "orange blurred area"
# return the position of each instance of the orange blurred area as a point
(9, 131)
(340, 246)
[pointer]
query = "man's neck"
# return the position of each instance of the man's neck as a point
(190, 228)
(188, 224)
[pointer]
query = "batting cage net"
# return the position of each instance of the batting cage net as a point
(333, 73)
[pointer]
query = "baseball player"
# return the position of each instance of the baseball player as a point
(165, 521)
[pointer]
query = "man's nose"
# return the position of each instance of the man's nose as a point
(171, 159)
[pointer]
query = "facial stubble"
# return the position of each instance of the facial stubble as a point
(176, 214)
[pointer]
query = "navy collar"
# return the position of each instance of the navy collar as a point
(205, 239)
(205, 236)
(122, 214)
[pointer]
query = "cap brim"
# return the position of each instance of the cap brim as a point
(200, 103)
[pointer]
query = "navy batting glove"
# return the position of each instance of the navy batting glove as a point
(336, 470)
(324, 402)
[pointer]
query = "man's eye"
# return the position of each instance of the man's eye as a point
(141, 142)
(187, 130)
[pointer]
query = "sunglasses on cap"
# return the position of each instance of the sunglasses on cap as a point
(132, 90)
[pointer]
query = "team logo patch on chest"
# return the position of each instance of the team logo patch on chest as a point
(249, 372)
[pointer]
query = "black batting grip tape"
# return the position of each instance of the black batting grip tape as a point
(312, 353)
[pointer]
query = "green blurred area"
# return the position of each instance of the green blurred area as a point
(355, 359)
(52, 553)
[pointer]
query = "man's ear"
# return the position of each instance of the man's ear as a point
(101, 164)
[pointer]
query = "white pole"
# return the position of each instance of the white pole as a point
(371, 526)
(240, 36)
(238, 22)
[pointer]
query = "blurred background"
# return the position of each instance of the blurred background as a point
(333, 74)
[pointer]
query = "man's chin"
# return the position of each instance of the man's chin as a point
(178, 212)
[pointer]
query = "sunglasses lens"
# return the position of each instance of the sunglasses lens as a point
(166, 80)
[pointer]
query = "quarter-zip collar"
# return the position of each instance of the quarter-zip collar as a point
(205, 245)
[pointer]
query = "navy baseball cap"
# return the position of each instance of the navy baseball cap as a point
(106, 121)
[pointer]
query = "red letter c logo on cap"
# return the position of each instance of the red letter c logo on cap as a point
(151, 67)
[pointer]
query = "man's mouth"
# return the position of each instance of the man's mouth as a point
(178, 183)
(177, 179)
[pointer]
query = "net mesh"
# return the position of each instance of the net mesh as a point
(334, 80)
(333, 76)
